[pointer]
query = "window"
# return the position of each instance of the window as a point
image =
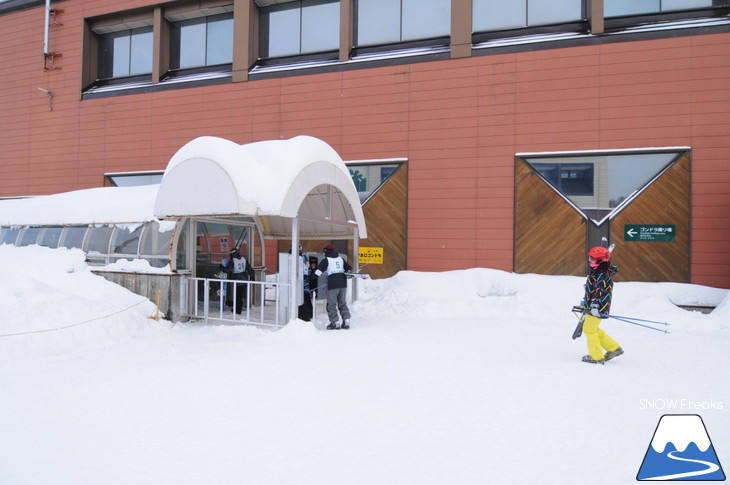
(204, 41)
(126, 241)
(9, 235)
(73, 237)
(50, 237)
(155, 242)
(29, 236)
(369, 177)
(599, 185)
(125, 53)
(568, 178)
(618, 8)
(130, 179)
(391, 21)
(97, 244)
(300, 27)
(488, 15)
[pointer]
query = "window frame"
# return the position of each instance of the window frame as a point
(263, 55)
(720, 8)
(175, 48)
(104, 76)
(438, 39)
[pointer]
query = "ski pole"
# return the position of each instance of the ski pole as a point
(639, 320)
(639, 324)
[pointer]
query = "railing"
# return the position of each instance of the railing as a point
(206, 299)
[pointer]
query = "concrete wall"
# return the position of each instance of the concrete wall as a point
(147, 285)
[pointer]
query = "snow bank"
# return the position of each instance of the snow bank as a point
(44, 290)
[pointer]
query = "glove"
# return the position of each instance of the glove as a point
(594, 310)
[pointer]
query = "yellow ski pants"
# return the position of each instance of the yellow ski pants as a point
(597, 339)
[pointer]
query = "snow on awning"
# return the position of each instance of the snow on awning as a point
(273, 181)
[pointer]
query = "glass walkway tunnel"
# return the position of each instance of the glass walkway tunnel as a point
(215, 196)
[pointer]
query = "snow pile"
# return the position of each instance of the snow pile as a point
(46, 289)
(458, 377)
(135, 266)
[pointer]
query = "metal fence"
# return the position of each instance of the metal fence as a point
(263, 302)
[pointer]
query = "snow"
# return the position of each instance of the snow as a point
(253, 178)
(465, 376)
(108, 205)
(681, 431)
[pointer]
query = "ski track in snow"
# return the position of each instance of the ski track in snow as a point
(711, 468)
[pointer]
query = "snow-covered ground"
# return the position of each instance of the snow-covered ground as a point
(462, 377)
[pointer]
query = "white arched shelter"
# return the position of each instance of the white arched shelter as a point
(295, 189)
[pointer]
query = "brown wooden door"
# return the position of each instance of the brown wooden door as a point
(549, 232)
(665, 201)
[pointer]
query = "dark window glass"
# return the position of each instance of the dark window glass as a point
(126, 240)
(204, 41)
(125, 53)
(9, 235)
(73, 237)
(618, 8)
(29, 236)
(50, 237)
(301, 27)
(488, 15)
(598, 184)
(368, 178)
(390, 21)
(98, 240)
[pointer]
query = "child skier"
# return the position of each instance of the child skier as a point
(597, 304)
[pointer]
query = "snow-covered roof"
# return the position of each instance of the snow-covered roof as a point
(274, 181)
(103, 205)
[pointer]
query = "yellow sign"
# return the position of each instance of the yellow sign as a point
(370, 256)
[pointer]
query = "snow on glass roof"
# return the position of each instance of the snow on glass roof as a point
(104, 205)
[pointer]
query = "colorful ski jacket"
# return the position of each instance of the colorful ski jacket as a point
(599, 288)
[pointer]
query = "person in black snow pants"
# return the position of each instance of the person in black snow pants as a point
(239, 270)
(335, 267)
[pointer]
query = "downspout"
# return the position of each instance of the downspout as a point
(294, 270)
(46, 51)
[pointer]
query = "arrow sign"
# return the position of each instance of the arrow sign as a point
(650, 232)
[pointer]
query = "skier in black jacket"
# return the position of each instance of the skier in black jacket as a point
(335, 267)
(597, 304)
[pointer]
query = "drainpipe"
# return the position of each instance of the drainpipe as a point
(293, 270)
(46, 51)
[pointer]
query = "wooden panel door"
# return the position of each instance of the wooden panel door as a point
(664, 202)
(550, 233)
(386, 215)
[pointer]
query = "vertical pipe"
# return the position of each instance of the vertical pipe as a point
(355, 262)
(293, 269)
(45, 35)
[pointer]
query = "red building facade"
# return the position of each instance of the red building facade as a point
(458, 108)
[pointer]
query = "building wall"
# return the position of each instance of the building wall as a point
(459, 122)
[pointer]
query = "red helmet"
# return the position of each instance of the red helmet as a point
(599, 254)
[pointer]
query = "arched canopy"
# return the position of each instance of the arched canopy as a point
(273, 181)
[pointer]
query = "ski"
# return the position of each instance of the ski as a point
(579, 328)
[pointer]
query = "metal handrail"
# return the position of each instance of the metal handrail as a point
(248, 315)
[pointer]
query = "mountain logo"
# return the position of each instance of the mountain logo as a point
(681, 450)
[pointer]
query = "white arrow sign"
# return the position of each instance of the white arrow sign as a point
(630, 233)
